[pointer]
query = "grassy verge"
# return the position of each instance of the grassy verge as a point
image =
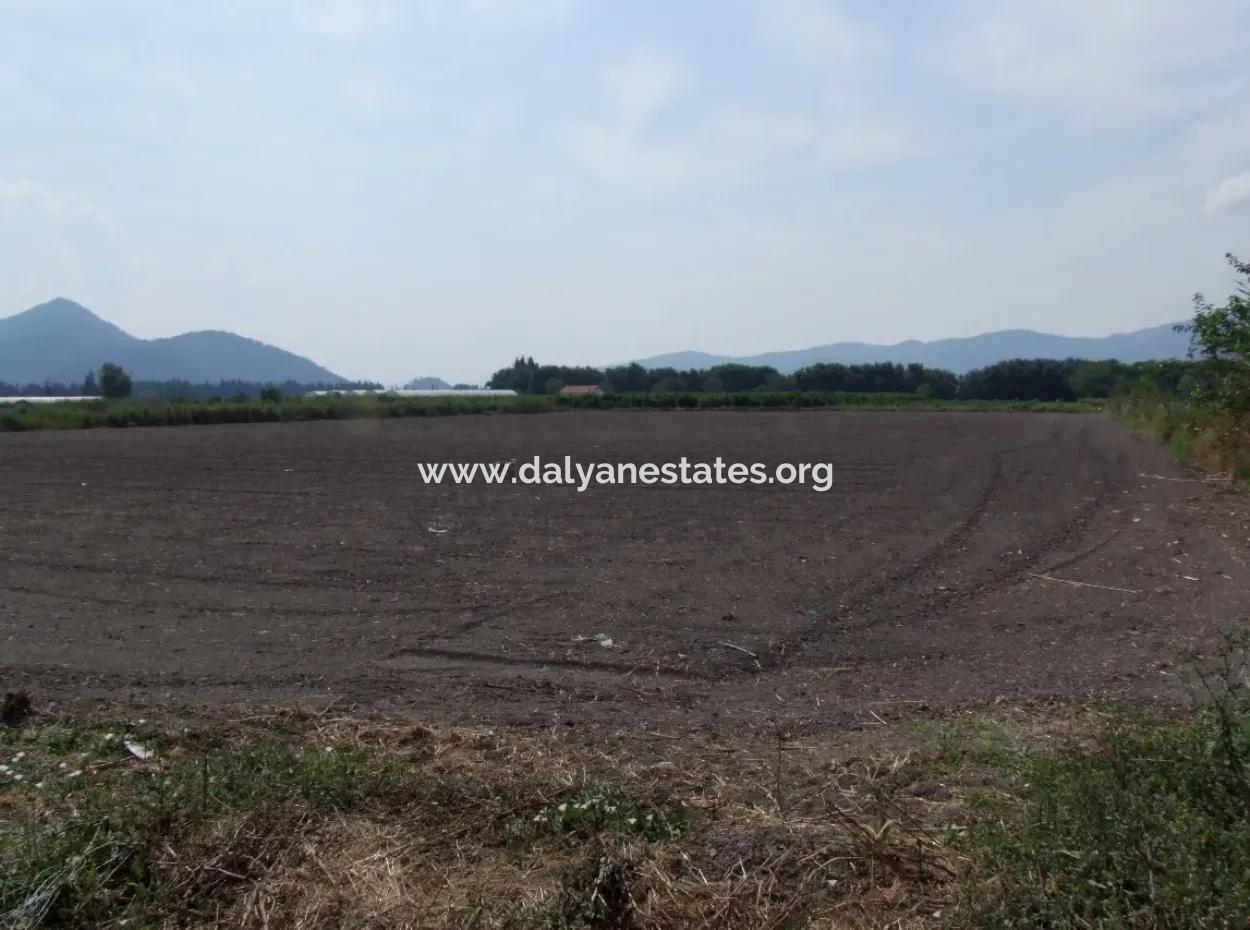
(1196, 435)
(1149, 827)
(1056, 818)
(124, 413)
(297, 822)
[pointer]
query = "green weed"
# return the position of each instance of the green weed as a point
(593, 811)
(87, 847)
(1150, 829)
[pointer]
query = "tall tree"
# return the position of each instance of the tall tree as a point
(114, 382)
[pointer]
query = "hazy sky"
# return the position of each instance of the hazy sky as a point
(430, 187)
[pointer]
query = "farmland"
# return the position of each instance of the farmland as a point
(275, 676)
(959, 558)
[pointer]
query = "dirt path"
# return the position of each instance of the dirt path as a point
(960, 557)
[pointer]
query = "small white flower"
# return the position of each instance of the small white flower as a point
(633, 821)
(38, 784)
(62, 766)
(562, 808)
(18, 777)
(75, 773)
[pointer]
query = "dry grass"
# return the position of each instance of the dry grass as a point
(1222, 446)
(767, 844)
(795, 833)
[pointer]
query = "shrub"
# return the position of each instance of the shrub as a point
(1221, 335)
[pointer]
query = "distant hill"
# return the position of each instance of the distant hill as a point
(958, 355)
(62, 341)
(427, 384)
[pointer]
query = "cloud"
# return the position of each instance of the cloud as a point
(866, 122)
(819, 30)
(1111, 60)
(865, 142)
(518, 9)
(62, 207)
(56, 242)
(643, 84)
(1228, 194)
(367, 20)
(719, 147)
(506, 14)
(346, 19)
(635, 145)
(726, 148)
(615, 148)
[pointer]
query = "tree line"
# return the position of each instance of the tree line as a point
(113, 381)
(525, 376)
(1014, 379)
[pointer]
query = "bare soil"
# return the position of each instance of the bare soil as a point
(960, 558)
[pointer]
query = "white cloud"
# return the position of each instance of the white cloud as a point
(346, 19)
(719, 147)
(64, 208)
(728, 145)
(57, 243)
(866, 122)
(498, 13)
(726, 148)
(868, 143)
(1113, 60)
(518, 9)
(819, 30)
(615, 148)
(643, 84)
(1229, 193)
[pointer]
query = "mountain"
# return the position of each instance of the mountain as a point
(427, 384)
(958, 355)
(62, 341)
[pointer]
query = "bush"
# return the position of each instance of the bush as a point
(1221, 335)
